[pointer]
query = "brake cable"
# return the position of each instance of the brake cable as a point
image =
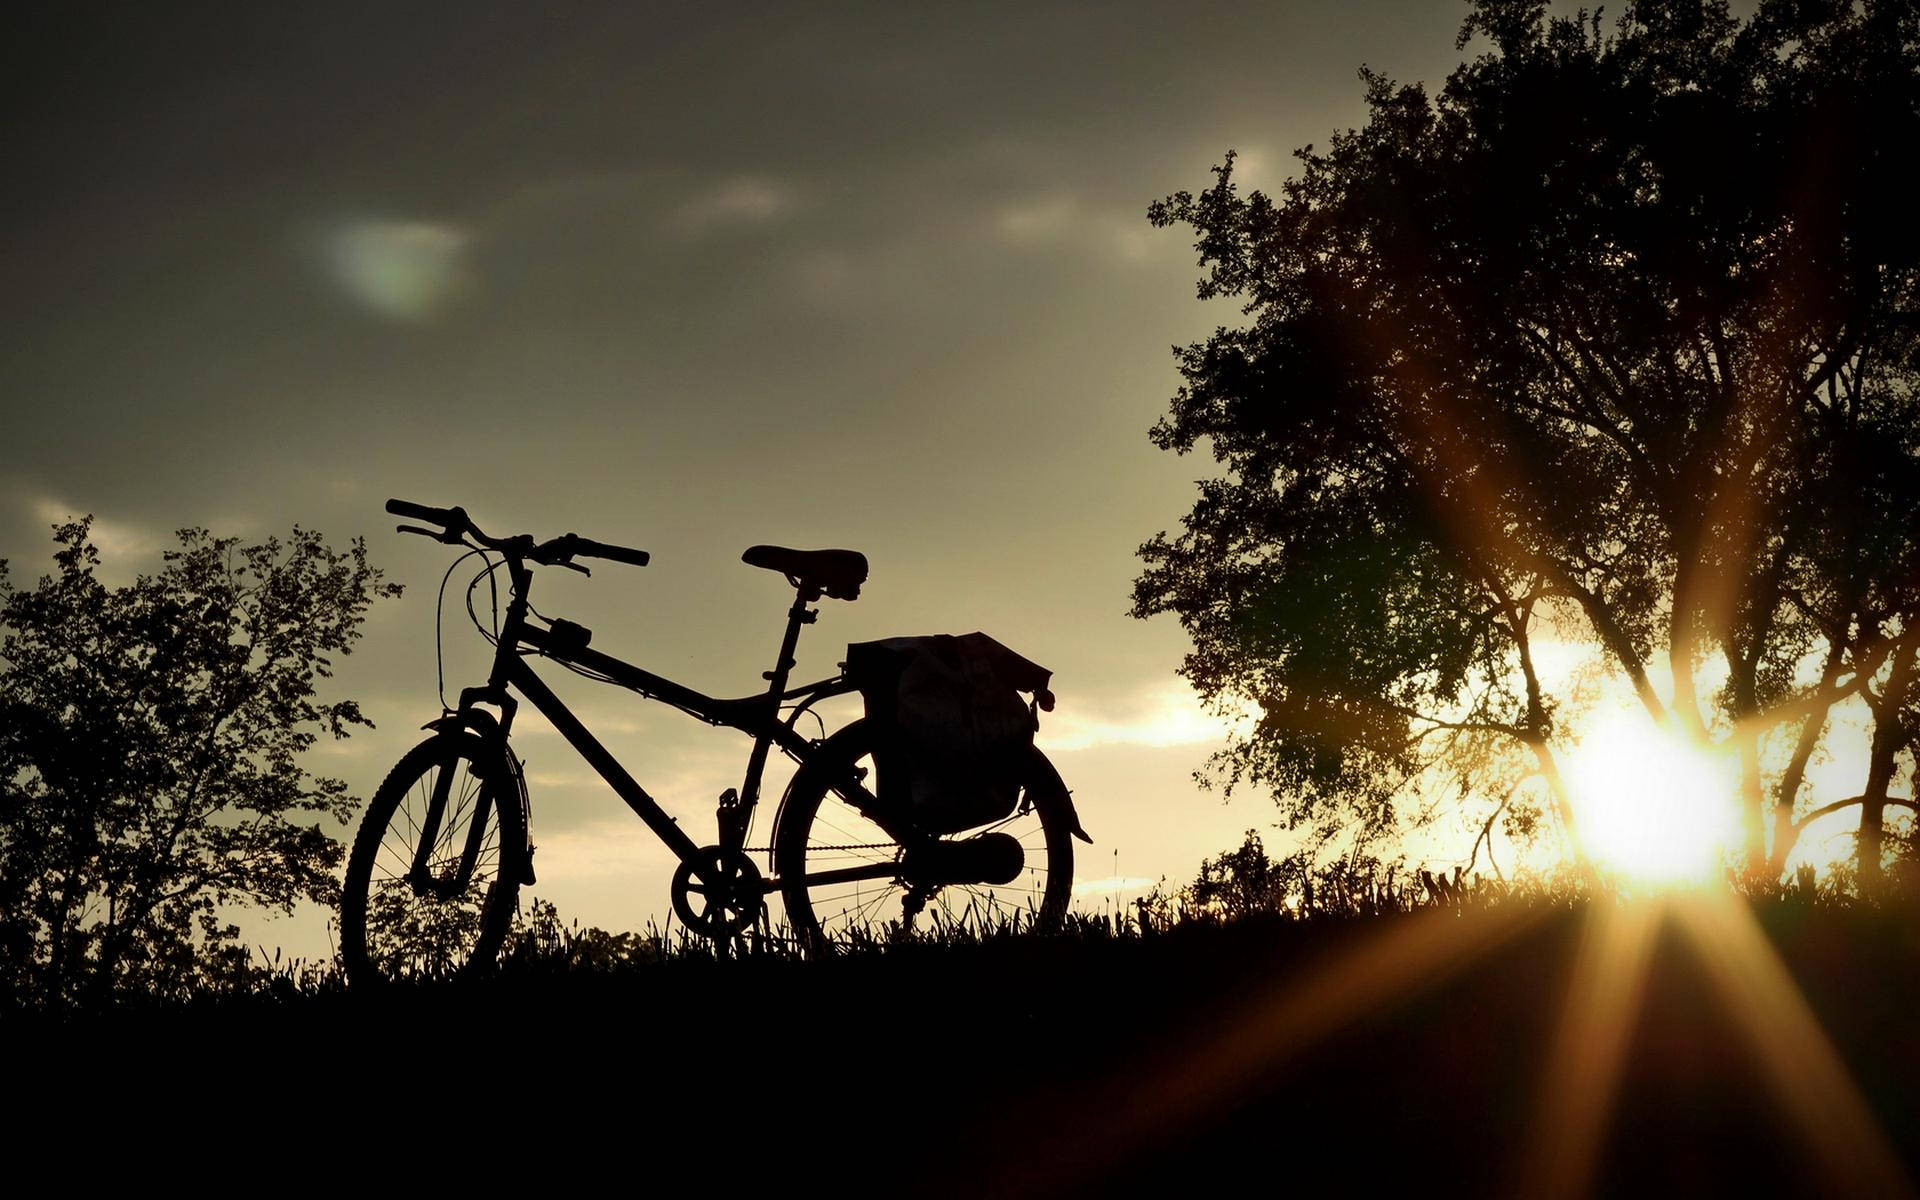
(439, 641)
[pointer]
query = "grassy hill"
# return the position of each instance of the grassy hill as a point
(1358, 1054)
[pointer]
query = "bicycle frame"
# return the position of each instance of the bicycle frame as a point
(757, 715)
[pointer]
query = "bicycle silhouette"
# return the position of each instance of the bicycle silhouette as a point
(435, 871)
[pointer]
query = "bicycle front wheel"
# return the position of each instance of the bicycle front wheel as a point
(430, 894)
(824, 835)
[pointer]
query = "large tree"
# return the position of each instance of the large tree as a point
(150, 756)
(1614, 339)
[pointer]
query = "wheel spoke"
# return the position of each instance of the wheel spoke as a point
(387, 929)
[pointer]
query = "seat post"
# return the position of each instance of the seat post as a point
(776, 679)
(797, 616)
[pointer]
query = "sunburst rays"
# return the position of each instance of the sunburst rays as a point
(1210, 1075)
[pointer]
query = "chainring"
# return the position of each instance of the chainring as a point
(717, 893)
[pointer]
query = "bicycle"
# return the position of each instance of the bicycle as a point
(435, 870)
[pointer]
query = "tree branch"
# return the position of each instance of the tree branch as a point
(1849, 802)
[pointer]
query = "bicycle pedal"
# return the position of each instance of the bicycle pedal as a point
(731, 815)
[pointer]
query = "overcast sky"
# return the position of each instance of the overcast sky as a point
(687, 277)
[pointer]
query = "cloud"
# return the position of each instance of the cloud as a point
(581, 779)
(1060, 219)
(823, 275)
(1037, 219)
(1165, 715)
(402, 270)
(605, 721)
(744, 200)
(1130, 243)
(117, 540)
(603, 850)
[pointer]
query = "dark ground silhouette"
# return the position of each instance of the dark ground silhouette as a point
(1004, 1068)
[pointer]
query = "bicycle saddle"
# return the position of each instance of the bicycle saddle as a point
(838, 573)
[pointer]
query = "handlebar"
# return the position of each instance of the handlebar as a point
(607, 550)
(457, 527)
(452, 518)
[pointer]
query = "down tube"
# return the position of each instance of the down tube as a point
(599, 759)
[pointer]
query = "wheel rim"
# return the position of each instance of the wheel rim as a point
(838, 837)
(409, 933)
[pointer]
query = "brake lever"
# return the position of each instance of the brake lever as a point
(439, 535)
(557, 553)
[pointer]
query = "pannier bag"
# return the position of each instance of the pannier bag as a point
(953, 732)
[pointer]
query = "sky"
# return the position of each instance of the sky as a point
(684, 277)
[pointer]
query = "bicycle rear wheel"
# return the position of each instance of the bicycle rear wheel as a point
(444, 913)
(822, 830)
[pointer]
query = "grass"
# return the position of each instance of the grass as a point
(1239, 888)
(968, 1061)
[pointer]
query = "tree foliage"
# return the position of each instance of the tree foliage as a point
(1612, 340)
(150, 755)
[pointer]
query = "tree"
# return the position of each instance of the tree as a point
(1240, 883)
(150, 742)
(1613, 341)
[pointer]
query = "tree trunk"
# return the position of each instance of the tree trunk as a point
(1873, 805)
(1785, 832)
(1888, 738)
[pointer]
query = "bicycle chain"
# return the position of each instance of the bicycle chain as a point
(861, 846)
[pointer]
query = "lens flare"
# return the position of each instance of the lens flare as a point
(1654, 808)
(1589, 1051)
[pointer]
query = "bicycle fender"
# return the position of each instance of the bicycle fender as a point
(487, 727)
(1045, 776)
(478, 720)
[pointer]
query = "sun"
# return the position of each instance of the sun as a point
(1652, 807)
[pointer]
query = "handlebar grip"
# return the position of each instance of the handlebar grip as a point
(420, 512)
(625, 554)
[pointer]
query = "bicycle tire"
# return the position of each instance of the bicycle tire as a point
(820, 829)
(389, 930)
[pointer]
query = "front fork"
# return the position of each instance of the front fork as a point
(421, 876)
(498, 784)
